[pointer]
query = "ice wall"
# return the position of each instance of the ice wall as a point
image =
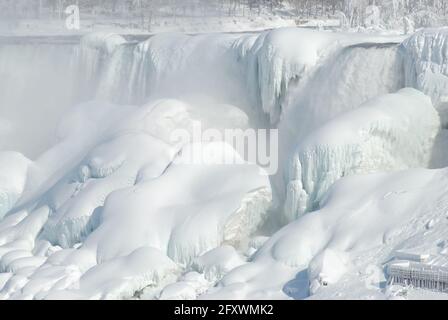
(293, 79)
(389, 133)
(426, 58)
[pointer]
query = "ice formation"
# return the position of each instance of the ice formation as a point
(426, 61)
(12, 180)
(95, 218)
(250, 70)
(363, 219)
(392, 132)
(426, 69)
(326, 268)
(36, 80)
(106, 205)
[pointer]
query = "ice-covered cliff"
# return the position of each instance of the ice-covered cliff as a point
(426, 69)
(341, 248)
(426, 60)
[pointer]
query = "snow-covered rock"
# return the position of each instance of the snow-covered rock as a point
(426, 66)
(392, 132)
(124, 210)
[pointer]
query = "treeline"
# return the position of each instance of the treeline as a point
(351, 13)
(118, 8)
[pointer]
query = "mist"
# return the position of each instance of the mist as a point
(37, 84)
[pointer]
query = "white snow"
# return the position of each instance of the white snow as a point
(108, 205)
(361, 222)
(426, 69)
(392, 132)
(100, 197)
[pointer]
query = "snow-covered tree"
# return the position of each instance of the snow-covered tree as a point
(351, 13)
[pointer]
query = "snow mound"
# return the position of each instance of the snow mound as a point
(363, 220)
(116, 279)
(392, 132)
(280, 56)
(123, 211)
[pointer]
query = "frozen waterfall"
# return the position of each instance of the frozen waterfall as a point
(95, 197)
